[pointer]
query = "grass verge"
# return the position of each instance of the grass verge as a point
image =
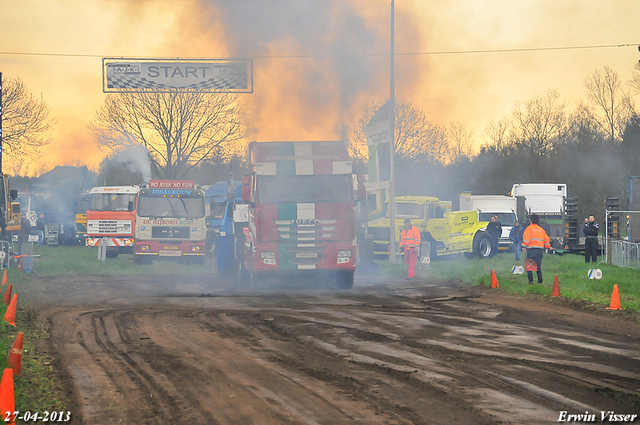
(571, 270)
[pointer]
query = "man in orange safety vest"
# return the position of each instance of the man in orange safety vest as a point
(535, 240)
(410, 241)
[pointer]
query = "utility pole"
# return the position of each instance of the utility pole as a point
(1, 123)
(392, 171)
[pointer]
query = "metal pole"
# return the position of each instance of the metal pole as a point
(1, 123)
(392, 117)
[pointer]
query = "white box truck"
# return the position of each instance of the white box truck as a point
(547, 201)
(505, 207)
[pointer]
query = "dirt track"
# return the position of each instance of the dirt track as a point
(186, 350)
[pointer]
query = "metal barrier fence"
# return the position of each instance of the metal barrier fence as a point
(5, 254)
(622, 231)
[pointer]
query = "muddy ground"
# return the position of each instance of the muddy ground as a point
(200, 350)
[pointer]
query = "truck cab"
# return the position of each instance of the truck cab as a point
(507, 219)
(447, 231)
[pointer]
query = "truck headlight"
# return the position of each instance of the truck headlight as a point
(268, 257)
(195, 248)
(344, 256)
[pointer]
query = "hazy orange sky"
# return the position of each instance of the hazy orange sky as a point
(319, 64)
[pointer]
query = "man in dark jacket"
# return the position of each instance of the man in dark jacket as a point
(591, 230)
(516, 237)
(494, 228)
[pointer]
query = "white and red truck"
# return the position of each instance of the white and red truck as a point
(170, 221)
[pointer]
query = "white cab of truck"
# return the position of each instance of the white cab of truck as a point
(489, 205)
(544, 199)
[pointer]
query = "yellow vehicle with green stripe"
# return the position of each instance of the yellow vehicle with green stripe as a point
(448, 232)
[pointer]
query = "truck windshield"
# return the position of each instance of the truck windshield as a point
(311, 188)
(170, 206)
(111, 201)
(405, 210)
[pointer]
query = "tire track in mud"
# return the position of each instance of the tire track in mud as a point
(348, 358)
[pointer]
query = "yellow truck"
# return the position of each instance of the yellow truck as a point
(448, 232)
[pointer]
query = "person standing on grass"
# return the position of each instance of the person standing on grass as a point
(591, 230)
(40, 229)
(410, 241)
(494, 228)
(535, 240)
(515, 234)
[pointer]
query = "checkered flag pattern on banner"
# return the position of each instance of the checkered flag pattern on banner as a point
(231, 82)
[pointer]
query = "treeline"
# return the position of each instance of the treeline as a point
(592, 165)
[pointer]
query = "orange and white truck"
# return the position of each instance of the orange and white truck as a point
(111, 217)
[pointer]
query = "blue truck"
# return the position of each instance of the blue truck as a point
(223, 232)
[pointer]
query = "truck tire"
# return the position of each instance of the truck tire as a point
(140, 260)
(345, 279)
(112, 253)
(482, 245)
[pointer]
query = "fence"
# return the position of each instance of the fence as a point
(622, 231)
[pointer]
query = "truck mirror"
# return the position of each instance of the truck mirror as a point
(130, 206)
(362, 191)
(13, 194)
(246, 188)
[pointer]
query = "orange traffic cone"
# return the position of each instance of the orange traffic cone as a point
(7, 295)
(556, 287)
(5, 278)
(10, 315)
(615, 299)
(20, 269)
(15, 356)
(7, 398)
(494, 280)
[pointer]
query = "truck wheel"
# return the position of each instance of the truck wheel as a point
(482, 245)
(138, 259)
(345, 279)
(243, 274)
(255, 279)
(112, 253)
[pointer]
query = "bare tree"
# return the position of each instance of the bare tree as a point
(609, 104)
(25, 123)
(460, 143)
(496, 134)
(416, 138)
(179, 130)
(538, 124)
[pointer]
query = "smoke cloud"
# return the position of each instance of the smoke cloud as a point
(134, 158)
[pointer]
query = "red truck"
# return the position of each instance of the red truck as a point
(301, 211)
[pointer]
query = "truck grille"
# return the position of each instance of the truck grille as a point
(172, 232)
(320, 230)
(109, 227)
(306, 256)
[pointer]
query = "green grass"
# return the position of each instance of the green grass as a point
(37, 388)
(570, 269)
(61, 260)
